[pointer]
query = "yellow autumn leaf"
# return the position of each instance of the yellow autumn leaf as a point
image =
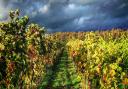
(112, 72)
(125, 81)
(2, 47)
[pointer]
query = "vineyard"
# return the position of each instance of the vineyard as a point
(30, 58)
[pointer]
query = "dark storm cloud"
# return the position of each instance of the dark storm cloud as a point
(115, 8)
(71, 15)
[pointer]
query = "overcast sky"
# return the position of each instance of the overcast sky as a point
(71, 15)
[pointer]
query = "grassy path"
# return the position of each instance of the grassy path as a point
(62, 76)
